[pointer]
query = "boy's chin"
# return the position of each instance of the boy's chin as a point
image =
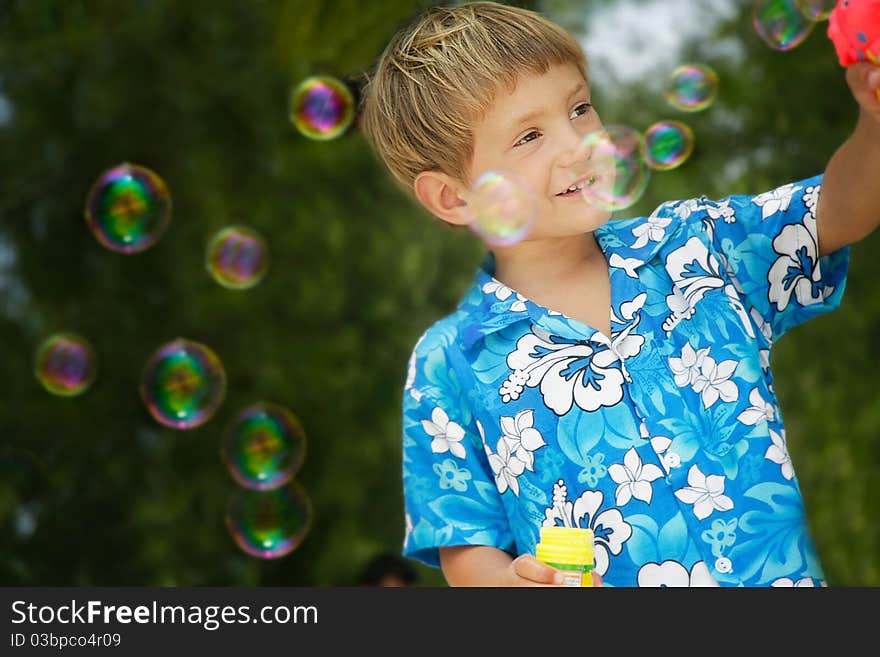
(584, 217)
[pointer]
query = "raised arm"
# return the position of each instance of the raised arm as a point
(849, 203)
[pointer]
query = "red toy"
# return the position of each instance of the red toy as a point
(854, 28)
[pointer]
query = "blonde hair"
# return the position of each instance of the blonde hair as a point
(438, 76)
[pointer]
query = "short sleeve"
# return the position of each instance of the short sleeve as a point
(450, 495)
(770, 245)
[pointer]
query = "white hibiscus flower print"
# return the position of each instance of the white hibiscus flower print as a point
(673, 574)
(722, 211)
(653, 230)
(778, 453)
(694, 270)
(687, 368)
(634, 478)
(759, 410)
(706, 494)
(811, 199)
(522, 437)
(447, 435)
(776, 200)
(566, 371)
(680, 309)
(506, 467)
(713, 381)
(610, 530)
(627, 264)
(502, 293)
(796, 271)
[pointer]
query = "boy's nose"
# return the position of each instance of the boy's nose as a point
(573, 155)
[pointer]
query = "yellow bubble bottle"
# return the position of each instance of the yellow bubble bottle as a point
(569, 549)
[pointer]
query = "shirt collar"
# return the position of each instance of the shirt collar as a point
(490, 306)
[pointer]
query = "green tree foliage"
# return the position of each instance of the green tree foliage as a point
(94, 492)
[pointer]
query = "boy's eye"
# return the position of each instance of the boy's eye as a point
(527, 138)
(580, 110)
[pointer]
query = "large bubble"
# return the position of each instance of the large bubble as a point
(502, 208)
(611, 167)
(272, 523)
(780, 23)
(237, 257)
(668, 144)
(322, 107)
(691, 87)
(128, 208)
(264, 446)
(183, 384)
(65, 364)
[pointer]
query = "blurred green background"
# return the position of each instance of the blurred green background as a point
(94, 492)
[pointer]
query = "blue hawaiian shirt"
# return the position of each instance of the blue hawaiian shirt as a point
(665, 438)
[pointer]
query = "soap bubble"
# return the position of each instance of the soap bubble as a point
(322, 107)
(816, 10)
(269, 524)
(237, 257)
(612, 166)
(128, 208)
(780, 23)
(668, 144)
(691, 87)
(183, 384)
(65, 364)
(264, 446)
(502, 209)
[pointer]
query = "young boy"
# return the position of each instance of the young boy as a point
(610, 375)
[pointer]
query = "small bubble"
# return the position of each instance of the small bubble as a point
(322, 107)
(668, 144)
(780, 23)
(269, 524)
(691, 87)
(128, 208)
(65, 364)
(183, 384)
(237, 257)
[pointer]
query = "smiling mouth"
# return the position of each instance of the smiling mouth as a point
(578, 186)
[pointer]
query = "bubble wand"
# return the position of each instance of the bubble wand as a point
(854, 29)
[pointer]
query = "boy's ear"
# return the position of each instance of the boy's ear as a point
(442, 196)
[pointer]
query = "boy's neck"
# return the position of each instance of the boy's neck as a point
(529, 266)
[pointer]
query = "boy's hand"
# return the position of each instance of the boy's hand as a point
(864, 82)
(525, 570)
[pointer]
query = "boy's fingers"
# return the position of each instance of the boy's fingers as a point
(527, 567)
(597, 578)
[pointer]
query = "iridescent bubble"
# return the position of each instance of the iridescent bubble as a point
(128, 208)
(668, 144)
(612, 168)
(502, 209)
(237, 257)
(816, 10)
(321, 107)
(691, 87)
(780, 24)
(272, 523)
(65, 364)
(183, 384)
(264, 446)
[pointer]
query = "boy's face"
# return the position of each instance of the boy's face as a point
(536, 133)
